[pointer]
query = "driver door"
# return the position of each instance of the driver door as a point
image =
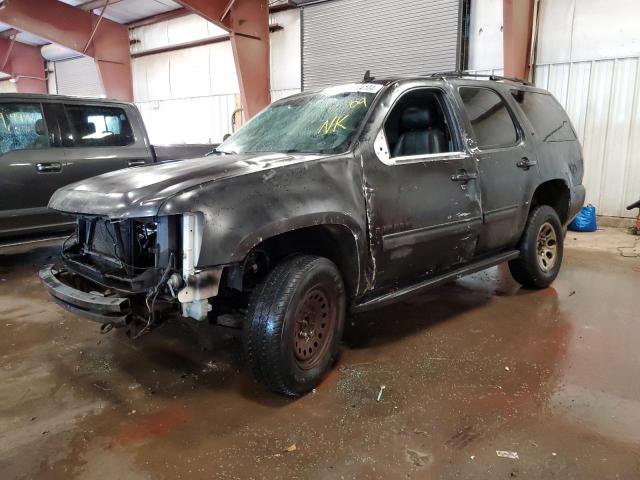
(423, 201)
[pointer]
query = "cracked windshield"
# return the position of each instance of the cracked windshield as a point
(320, 122)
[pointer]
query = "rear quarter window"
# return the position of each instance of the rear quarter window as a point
(549, 121)
(98, 126)
(490, 118)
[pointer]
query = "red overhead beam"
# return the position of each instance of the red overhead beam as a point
(25, 64)
(248, 24)
(76, 29)
(517, 32)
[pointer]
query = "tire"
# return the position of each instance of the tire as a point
(541, 249)
(294, 324)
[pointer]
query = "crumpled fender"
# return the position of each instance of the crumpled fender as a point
(241, 212)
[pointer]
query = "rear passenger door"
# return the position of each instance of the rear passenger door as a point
(98, 139)
(31, 168)
(507, 165)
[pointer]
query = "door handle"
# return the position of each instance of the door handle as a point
(49, 167)
(463, 177)
(136, 163)
(525, 163)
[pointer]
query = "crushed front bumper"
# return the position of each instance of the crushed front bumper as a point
(92, 305)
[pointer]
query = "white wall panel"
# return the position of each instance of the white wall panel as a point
(189, 95)
(578, 95)
(279, 94)
(485, 35)
(617, 154)
(602, 100)
(554, 31)
(222, 69)
(189, 72)
(595, 134)
(188, 120)
(588, 56)
(286, 56)
(7, 87)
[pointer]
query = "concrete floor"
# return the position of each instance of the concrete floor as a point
(470, 368)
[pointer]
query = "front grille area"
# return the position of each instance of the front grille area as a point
(112, 239)
(129, 255)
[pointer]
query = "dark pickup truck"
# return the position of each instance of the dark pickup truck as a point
(345, 199)
(48, 141)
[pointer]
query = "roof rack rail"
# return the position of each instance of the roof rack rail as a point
(460, 74)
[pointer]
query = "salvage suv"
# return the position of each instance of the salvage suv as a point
(344, 199)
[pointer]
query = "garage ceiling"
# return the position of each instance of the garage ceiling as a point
(120, 11)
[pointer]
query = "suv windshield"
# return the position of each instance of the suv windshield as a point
(319, 122)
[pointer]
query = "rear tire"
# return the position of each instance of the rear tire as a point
(541, 249)
(294, 324)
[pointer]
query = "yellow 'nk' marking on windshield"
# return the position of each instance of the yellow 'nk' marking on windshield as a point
(357, 102)
(330, 126)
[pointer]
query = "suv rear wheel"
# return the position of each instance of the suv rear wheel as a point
(294, 324)
(541, 249)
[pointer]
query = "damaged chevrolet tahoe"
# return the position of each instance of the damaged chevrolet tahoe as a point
(344, 199)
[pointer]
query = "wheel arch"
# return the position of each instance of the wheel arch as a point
(334, 241)
(556, 194)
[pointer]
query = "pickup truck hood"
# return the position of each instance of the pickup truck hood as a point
(140, 191)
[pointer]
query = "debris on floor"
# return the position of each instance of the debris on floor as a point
(291, 448)
(507, 454)
(379, 397)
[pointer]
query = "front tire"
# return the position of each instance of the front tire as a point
(541, 249)
(294, 324)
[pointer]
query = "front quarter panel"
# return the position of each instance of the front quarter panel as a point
(240, 212)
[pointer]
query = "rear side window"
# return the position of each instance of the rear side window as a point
(22, 127)
(97, 126)
(490, 119)
(548, 119)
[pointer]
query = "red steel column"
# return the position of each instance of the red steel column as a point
(72, 27)
(248, 24)
(25, 64)
(518, 25)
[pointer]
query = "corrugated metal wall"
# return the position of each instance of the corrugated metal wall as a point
(602, 99)
(588, 56)
(344, 38)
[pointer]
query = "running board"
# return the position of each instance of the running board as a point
(411, 290)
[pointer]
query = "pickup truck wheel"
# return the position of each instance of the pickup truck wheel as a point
(294, 324)
(541, 249)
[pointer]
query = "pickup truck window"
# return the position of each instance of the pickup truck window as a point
(490, 118)
(22, 127)
(322, 122)
(547, 118)
(417, 125)
(97, 126)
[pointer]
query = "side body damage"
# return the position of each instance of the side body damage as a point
(407, 196)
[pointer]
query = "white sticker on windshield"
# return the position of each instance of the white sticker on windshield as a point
(354, 88)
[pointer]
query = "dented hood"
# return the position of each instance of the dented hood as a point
(141, 191)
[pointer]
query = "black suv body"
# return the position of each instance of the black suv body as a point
(349, 198)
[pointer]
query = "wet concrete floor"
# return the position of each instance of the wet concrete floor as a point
(470, 368)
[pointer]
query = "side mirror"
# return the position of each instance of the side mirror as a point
(381, 147)
(226, 135)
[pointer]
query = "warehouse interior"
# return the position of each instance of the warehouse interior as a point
(477, 377)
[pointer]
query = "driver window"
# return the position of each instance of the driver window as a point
(418, 125)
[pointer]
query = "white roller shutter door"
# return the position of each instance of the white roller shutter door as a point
(341, 39)
(78, 77)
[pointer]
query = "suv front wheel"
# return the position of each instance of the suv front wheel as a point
(294, 324)
(541, 249)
